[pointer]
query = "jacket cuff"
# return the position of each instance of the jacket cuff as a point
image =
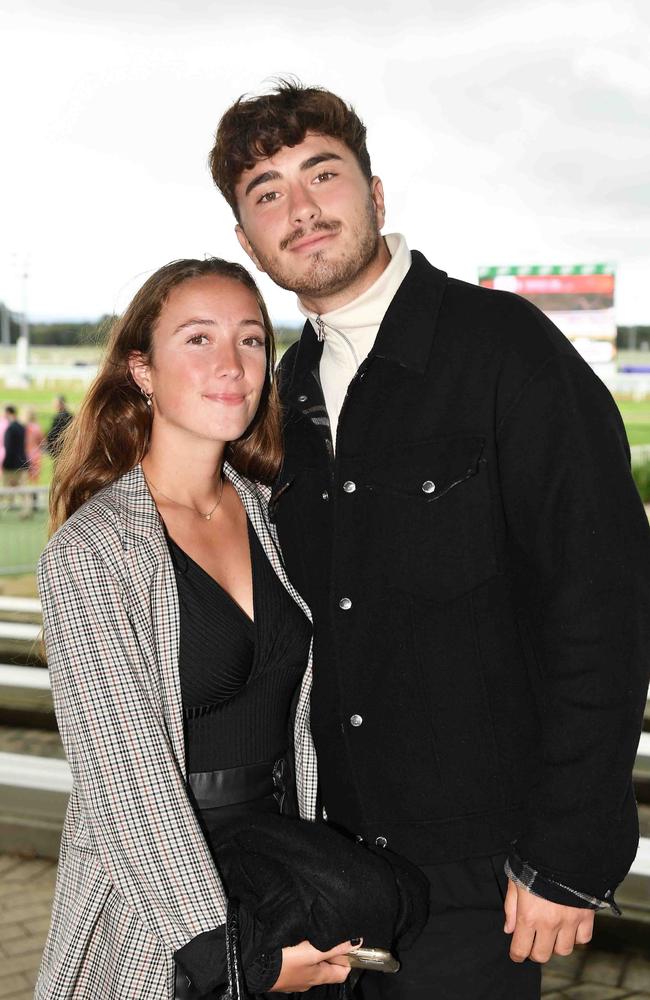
(203, 959)
(524, 875)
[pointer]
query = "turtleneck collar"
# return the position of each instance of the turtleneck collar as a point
(350, 332)
(359, 319)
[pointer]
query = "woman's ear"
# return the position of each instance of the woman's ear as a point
(140, 371)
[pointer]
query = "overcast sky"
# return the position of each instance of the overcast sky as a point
(505, 133)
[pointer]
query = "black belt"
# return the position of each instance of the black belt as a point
(229, 787)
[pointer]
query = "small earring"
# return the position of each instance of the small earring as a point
(147, 395)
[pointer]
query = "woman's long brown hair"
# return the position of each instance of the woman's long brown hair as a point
(111, 432)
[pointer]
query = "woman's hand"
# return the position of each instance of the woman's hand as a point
(303, 966)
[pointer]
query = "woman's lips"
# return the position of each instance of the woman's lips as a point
(227, 398)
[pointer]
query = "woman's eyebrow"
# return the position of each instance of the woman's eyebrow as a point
(197, 321)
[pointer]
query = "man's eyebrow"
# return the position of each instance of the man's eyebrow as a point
(275, 175)
(268, 175)
(313, 161)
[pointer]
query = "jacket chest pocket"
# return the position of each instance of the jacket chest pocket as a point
(428, 510)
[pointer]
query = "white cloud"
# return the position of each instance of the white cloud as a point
(502, 133)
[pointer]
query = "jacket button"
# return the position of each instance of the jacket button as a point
(302, 398)
(345, 604)
(381, 842)
(428, 486)
(325, 495)
(349, 486)
(356, 720)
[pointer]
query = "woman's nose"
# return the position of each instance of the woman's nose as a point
(229, 362)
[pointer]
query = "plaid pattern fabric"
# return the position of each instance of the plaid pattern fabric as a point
(136, 880)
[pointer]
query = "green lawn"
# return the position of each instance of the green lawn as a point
(636, 416)
(636, 413)
(21, 541)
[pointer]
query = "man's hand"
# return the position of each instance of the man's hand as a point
(539, 928)
(303, 966)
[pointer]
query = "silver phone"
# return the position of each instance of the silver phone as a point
(375, 959)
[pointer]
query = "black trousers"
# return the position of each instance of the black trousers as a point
(462, 953)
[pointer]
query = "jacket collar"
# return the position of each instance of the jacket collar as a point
(405, 335)
(139, 514)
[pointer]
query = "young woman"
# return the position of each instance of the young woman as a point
(177, 648)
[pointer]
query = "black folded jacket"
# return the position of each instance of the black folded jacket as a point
(302, 880)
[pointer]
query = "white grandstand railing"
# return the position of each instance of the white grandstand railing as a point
(19, 605)
(20, 630)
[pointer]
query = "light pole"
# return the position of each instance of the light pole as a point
(22, 347)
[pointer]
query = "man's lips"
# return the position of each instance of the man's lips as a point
(227, 398)
(308, 243)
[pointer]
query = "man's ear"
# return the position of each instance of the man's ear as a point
(377, 195)
(140, 371)
(246, 247)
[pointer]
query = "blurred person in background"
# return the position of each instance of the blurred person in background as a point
(62, 418)
(4, 423)
(14, 461)
(35, 442)
(179, 653)
(457, 508)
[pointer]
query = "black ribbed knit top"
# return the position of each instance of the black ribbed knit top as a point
(238, 677)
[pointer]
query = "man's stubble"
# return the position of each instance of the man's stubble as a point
(325, 276)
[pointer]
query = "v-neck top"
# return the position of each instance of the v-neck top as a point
(238, 676)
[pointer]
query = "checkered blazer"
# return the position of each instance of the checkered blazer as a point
(136, 880)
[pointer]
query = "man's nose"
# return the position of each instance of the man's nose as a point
(303, 206)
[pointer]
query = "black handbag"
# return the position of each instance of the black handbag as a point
(302, 880)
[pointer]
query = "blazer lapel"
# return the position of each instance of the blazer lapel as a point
(154, 596)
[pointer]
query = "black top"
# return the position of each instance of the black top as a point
(238, 680)
(238, 677)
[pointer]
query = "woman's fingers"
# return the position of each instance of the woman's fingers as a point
(341, 949)
(303, 966)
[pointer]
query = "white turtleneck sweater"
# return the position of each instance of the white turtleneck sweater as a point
(351, 330)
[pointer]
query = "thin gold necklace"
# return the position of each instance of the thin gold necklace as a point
(206, 517)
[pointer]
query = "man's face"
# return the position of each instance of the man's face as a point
(310, 219)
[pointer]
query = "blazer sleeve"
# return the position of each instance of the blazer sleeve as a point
(141, 822)
(578, 536)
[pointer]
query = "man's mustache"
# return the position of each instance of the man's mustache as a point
(299, 234)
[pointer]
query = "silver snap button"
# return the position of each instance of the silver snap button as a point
(355, 720)
(349, 486)
(345, 604)
(381, 842)
(325, 495)
(428, 486)
(302, 399)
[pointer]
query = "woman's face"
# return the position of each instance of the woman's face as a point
(209, 360)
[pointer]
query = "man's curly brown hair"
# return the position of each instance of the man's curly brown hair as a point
(255, 128)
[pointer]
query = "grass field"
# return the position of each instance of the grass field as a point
(21, 541)
(636, 416)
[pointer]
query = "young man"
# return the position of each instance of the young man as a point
(456, 506)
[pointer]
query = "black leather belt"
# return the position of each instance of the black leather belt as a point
(233, 785)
